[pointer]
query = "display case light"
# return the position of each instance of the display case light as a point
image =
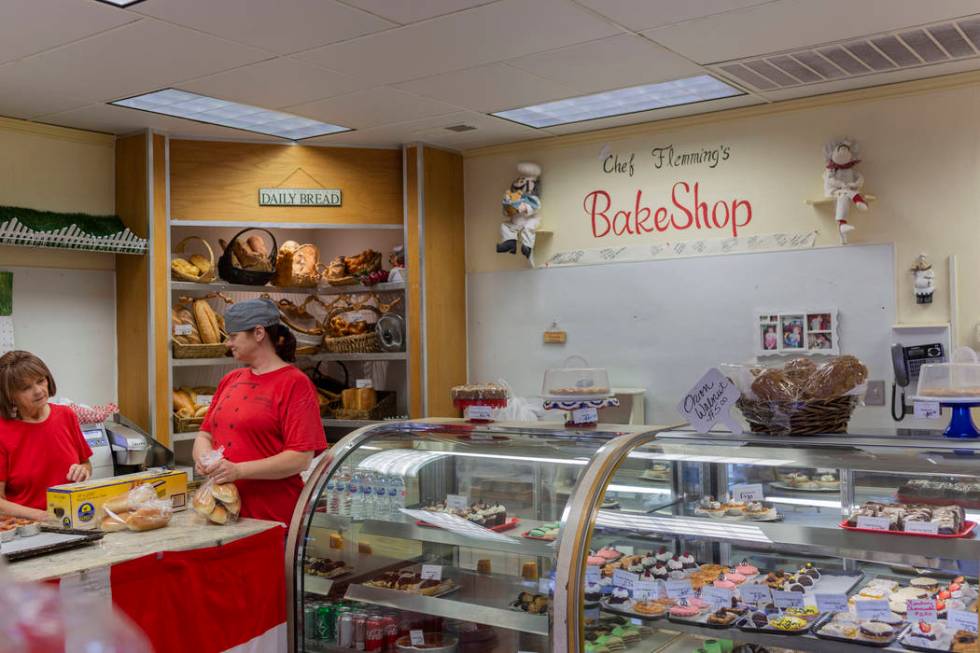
(120, 3)
(688, 90)
(212, 111)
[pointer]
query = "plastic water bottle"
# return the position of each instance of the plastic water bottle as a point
(367, 495)
(328, 497)
(356, 496)
(396, 495)
(382, 507)
(341, 492)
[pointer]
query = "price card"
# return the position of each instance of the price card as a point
(431, 572)
(831, 602)
(183, 329)
(874, 523)
(922, 610)
(364, 383)
(785, 600)
(709, 402)
(593, 574)
(717, 597)
(585, 416)
(962, 620)
(755, 594)
(544, 586)
(748, 492)
(204, 400)
(680, 588)
(625, 550)
(926, 409)
(417, 637)
(924, 527)
(478, 412)
(647, 589)
(457, 501)
(872, 609)
(625, 579)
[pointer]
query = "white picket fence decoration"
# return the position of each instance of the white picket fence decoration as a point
(13, 232)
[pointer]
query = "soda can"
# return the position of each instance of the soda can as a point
(325, 622)
(345, 630)
(374, 635)
(310, 621)
(360, 626)
(390, 626)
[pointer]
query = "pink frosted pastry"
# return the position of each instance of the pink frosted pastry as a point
(700, 604)
(683, 611)
(595, 561)
(724, 584)
(736, 578)
(746, 569)
(609, 553)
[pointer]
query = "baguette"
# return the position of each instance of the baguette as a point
(201, 263)
(183, 401)
(207, 322)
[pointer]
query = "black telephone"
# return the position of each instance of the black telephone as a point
(907, 362)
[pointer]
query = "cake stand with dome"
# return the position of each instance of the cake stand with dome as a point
(579, 390)
(955, 386)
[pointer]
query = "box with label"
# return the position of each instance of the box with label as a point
(79, 505)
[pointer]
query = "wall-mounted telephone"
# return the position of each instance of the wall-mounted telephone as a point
(907, 362)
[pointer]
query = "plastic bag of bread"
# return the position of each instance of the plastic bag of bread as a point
(839, 377)
(140, 509)
(220, 503)
(150, 516)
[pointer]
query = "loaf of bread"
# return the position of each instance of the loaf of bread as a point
(365, 399)
(185, 268)
(772, 385)
(201, 263)
(251, 254)
(836, 378)
(207, 322)
(150, 516)
(225, 492)
(348, 399)
(203, 503)
(183, 400)
(110, 524)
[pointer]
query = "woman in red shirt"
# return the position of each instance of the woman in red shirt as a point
(265, 416)
(40, 444)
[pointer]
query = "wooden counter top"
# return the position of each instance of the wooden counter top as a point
(186, 530)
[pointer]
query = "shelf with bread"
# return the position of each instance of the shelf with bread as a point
(324, 356)
(320, 289)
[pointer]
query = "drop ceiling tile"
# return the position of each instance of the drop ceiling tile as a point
(494, 87)
(605, 64)
(412, 11)
(281, 26)
(22, 97)
(485, 34)
(791, 24)
(144, 56)
(372, 108)
(31, 26)
(656, 13)
(275, 83)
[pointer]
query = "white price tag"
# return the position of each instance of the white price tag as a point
(874, 523)
(364, 383)
(680, 588)
(457, 501)
(183, 329)
(647, 589)
(431, 572)
(755, 594)
(625, 579)
(593, 574)
(785, 600)
(585, 416)
(962, 620)
(926, 409)
(544, 586)
(869, 609)
(831, 602)
(625, 550)
(484, 413)
(748, 492)
(925, 527)
(716, 597)
(204, 400)
(417, 637)
(922, 610)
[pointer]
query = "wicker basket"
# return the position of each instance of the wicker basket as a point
(199, 351)
(209, 276)
(233, 274)
(187, 424)
(385, 407)
(810, 417)
(363, 343)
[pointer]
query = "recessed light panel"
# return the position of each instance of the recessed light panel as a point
(622, 101)
(201, 108)
(120, 3)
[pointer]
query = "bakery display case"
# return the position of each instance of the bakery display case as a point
(823, 543)
(446, 531)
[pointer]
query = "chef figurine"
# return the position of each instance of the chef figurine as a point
(520, 206)
(925, 280)
(842, 182)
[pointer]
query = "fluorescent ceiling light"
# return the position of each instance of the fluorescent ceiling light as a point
(120, 3)
(622, 101)
(201, 108)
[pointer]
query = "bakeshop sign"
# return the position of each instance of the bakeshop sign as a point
(299, 197)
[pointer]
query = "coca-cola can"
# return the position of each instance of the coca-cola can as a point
(345, 630)
(390, 625)
(360, 626)
(374, 634)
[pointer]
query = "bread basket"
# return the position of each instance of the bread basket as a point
(207, 277)
(804, 417)
(213, 350)
(361, 343)
(233, 274)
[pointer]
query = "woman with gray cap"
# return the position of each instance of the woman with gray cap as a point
(265, 416)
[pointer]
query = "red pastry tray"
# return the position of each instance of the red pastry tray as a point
(968, 527)
(540, 539)
(493, 403)
(511, 522)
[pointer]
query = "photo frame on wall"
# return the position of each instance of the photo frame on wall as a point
(812, 331)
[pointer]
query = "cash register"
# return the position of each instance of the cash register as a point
(118, 448)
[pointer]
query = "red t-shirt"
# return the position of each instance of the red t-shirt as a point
(33, 457)
(254, 416)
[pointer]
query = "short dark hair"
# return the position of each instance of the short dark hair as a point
(19, 369)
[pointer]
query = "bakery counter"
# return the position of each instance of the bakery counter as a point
(185, 532)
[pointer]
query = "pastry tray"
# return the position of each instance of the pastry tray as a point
(899, 631)
(745, 626)
(539, 539)
(449, 590)
(701, 620)
(509, 524)
(968, 527)
(829, 583)
(629, 613)
(779, 485)
(50, 540)
(946, 639)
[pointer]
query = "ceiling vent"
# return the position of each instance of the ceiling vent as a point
(461, 128)
(885, 52)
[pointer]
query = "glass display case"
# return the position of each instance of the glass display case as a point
(448, 529)
(826, 543)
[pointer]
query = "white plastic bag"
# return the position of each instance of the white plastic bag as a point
(518, 409)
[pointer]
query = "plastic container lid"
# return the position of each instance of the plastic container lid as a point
(575, 380)
(956, 381)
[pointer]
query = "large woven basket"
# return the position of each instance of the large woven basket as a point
(187, 424)
(362, 343)
(208, 276)
(198, 351)
(810, 417)
(232, 274)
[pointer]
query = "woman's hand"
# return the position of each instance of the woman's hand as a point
(225, 471)
(79, 472)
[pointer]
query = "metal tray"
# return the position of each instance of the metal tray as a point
(899, 632)
(743, 625)
(633, 615)
(702, 621)
(85, 538)
(947, 639)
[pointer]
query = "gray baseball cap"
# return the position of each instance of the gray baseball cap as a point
(250, 314)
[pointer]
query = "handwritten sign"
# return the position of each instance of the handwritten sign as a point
(457, 501)
(926, 409)
(748, 492)
(709, 402)
(924, 527)
(431, 572)
(717, 597)
(962, 620)
(874, 523)
(755, 594)
(299, 197)
(831, 602)
(587, 415)
(785, 600)
(922, 610)
(624, 579)
(680, 588)
(869, 609)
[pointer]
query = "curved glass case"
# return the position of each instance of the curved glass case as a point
(812, 543)
(446, 528)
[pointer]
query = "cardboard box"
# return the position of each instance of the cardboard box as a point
(79, 505)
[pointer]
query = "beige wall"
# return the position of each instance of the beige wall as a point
(920, 150)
